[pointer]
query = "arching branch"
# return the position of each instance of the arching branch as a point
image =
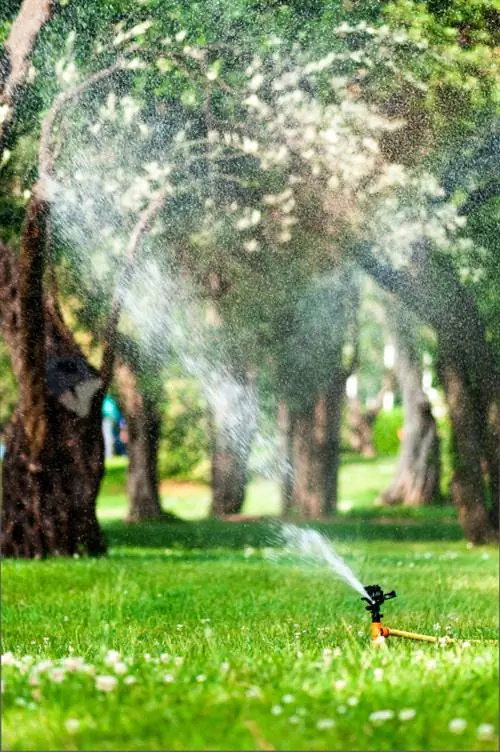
(141, 228)
(45, 155)
(32, 16)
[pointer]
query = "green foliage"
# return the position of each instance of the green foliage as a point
(184, 432)
(388, 424)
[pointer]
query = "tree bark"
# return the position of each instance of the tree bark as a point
(53, 462)
(470, 483)
(232, 427)
(143, 421)
(360, 425)
(417, 478)
(315, 453)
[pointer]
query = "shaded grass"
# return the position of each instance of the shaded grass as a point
(283, 628)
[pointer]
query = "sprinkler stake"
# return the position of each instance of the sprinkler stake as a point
(376, 597)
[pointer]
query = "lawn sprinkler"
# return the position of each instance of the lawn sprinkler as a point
(379, 632)
(376, 597)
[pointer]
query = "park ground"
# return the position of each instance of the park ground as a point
(200, 634)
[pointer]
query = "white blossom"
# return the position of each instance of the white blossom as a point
(457, 725)
(106, 683)
(379, 716)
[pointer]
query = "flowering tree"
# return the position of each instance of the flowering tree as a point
(241, 162)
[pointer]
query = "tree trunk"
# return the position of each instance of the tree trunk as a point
(232, 426)
(315, 454)
(469, 486)
(53, 462)
(417, 478)
(143, 421)
(469, 375)
(285, 453)
(360, 428)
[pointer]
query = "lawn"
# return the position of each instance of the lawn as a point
(202, 635)
(360, 482)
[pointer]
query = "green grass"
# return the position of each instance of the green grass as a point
(360, 482)
(226, 643)
(254, 633)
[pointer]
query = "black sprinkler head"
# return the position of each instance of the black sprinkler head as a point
(378, 597)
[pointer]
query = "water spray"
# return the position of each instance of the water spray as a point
(376, 598)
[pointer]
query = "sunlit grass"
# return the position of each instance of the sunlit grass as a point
(227, 648)
(360, 482)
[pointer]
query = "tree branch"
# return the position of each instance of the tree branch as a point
(141, 228)
(32, 16)
(45, 156)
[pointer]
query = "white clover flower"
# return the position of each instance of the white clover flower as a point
(339, 684)
(106, 683)
(111, 657)
(120, 668)
(178, 660)
(72, 725)
(341, 709)
(378, 674)
(352, 701)
(181, 35)
(73, 663)
(325, 723)
(276, 710)
(201, 678)
(379, 716)
(57, 675)
(168, 678)
(164, 657)
(406, 714)
(8, 659)
(457, 725)
(431, 664)
(294, 719)
(288, 699)
(253, 692)
(129, 680)
(43, 665)
(224, 667)
(485, 732)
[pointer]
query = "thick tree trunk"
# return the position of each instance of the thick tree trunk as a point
(315, 454)
(469, 375)
(143, 421)
(417, 478)
(53, 462)
(469, 486)
(232, 427)
(360, 426)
